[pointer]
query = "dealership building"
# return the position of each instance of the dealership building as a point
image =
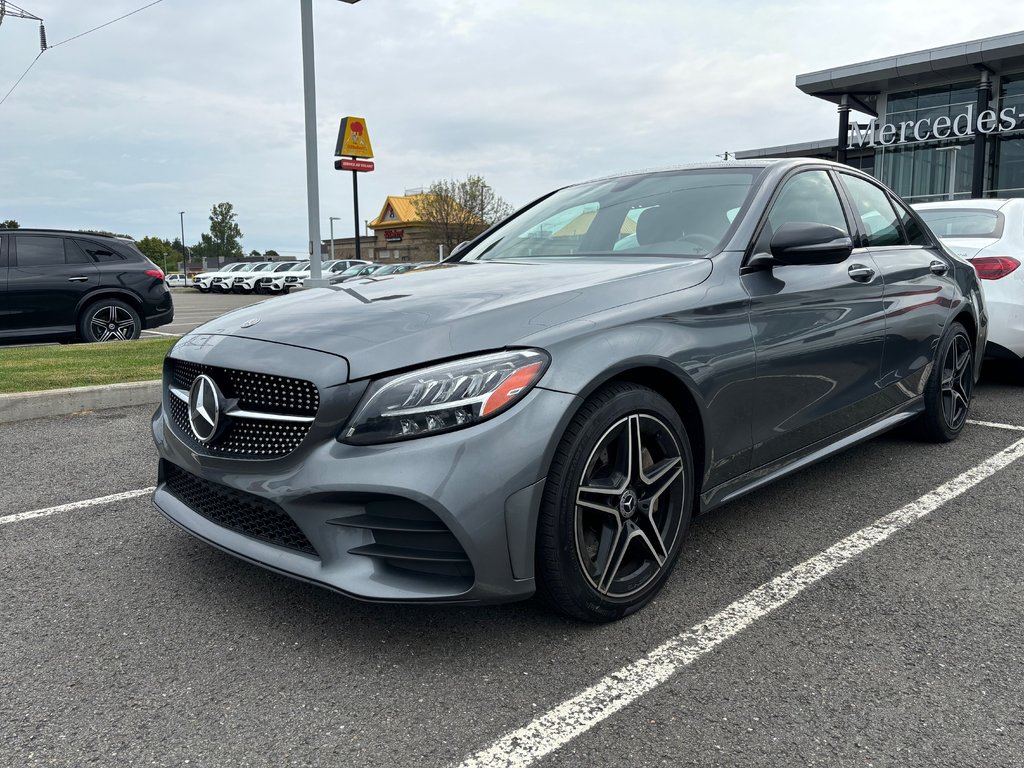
(935, 124)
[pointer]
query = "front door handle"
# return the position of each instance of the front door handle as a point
(78, 279)
(938, 267)
(860, 273)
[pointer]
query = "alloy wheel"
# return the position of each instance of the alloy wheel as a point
(111, 323)
(629, 505)
(957, 382)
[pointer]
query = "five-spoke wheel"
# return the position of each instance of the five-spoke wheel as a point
(109, 320)
(947, 394)
(616, 506)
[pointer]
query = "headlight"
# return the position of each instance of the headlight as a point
(445, 397)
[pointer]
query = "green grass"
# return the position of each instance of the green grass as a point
(29, 369)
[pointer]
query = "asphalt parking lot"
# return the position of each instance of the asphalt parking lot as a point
(192, 309)
(128, 642)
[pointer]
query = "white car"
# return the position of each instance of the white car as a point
(224, 281)
(989, 234)
(203, 282)
(245, 282)
(283, 280)
(176, 280)
(272, 281)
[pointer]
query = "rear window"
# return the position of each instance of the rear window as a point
(963, 222)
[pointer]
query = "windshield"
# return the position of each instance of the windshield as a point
(353, 270)
(963, 222)
(676, 213)
(283, 267)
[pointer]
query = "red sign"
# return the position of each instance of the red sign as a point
(351, 164)
(393, 235)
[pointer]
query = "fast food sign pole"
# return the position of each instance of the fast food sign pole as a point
(353, 144)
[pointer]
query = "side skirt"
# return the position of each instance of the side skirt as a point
(769, 473)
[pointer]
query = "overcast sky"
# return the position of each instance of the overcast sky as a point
(192, 102)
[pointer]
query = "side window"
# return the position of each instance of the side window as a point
(99, 252)
(808, 197)
(878, 219)
(39, 251)
(74, 254)
(915, 234)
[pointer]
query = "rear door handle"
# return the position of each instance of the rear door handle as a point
(938, 267)
(78, 279)
(860, 273)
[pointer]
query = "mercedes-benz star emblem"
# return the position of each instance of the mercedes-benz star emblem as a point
(627, 504)
(250, 322)
(204, 408)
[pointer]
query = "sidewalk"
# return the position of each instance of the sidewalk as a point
(61, 402)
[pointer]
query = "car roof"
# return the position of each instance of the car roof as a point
(768, 162)
(986, 203)
(64, 232)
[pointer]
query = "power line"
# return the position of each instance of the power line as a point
(106, 24)
(21, 78)
(5, 6)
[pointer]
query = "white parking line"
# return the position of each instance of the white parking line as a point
(995, 425)
(568, 720)
(157, 333)
(76, 505)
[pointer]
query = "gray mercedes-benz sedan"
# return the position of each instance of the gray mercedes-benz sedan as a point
(547, 409)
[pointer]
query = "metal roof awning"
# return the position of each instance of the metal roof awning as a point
(962, 61)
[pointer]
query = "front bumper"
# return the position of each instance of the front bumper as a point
(377, 516)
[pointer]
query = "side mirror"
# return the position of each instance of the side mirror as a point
(801, 242)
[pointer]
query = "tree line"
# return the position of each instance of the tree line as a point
(452, 210)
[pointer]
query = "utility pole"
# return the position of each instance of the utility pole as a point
(184, 250)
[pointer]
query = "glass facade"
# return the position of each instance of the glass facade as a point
(923, 170)
(1008, 178)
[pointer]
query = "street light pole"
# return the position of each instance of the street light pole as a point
(184, 253)
(315, 279)
(333, 219)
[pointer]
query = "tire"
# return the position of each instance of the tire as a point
(109, 320)
(201, 289)
(947, 395)
(610, 530)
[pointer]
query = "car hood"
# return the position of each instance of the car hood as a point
(398, 321)
(968, 247)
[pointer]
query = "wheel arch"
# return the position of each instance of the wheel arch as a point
(658, 374)
(109, 293)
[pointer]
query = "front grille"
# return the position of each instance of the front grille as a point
(239, 511)
(258, 392)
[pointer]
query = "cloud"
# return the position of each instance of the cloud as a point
(191, 103)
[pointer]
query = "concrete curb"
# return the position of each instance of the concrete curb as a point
(61, 402)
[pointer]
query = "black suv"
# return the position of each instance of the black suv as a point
(56, 283)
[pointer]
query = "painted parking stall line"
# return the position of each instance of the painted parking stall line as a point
(995, 425)
(76, 505)
(558, 726)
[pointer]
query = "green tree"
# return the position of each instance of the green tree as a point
(9, 224)
(254, 254)
(460, 210)
(160, 252)
(225, 236)
(272, 254)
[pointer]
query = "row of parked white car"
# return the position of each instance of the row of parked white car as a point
(271, 277)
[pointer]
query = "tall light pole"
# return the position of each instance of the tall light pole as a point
(333, 219)
(184, 252)
(316, 279)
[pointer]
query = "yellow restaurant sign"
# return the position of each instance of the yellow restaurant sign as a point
(353, 138)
